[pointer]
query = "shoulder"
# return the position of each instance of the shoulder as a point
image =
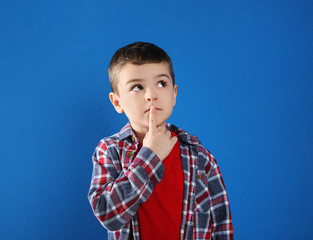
(108, 142)
(183, 136)
(107, 149)
(204, 155)
(116, 140)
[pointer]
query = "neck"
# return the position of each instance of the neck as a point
(140, 136)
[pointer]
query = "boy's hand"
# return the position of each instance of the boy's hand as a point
(158, 139)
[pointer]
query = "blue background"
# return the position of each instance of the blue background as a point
(244, 71)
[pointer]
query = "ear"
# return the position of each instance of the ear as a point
(116, 102)
(174, 95)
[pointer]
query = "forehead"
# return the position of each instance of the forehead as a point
(144, 71)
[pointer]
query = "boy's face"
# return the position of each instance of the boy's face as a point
(140, 87)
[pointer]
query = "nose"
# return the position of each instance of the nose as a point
(151, 95)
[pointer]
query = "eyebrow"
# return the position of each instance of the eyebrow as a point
(140, 79)
(163, 75)
(134, 80)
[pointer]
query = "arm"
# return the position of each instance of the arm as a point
(115, 197)
(220, 211)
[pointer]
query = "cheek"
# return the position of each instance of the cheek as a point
(169, 99)
(128, 100)
(133, 106)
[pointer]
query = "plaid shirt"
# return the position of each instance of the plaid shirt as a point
(122, 180)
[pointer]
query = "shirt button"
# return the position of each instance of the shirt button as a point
(128, 154)
(133, 138)
(199, 176)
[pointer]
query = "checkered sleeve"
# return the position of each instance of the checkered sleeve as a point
(221, 222)
(115, 194)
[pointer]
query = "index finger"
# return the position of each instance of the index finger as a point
(152, 123)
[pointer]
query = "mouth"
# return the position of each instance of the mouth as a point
(157, 109)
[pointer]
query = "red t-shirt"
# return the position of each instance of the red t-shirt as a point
(160, 216)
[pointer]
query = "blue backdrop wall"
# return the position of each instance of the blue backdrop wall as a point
(244, 71)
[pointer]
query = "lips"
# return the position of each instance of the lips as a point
(157, 109)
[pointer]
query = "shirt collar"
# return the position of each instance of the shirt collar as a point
(182, 135)
(126, 132)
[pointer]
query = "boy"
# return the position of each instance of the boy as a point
(153, 180)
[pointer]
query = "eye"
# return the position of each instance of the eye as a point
(162, 84)
(137, 88)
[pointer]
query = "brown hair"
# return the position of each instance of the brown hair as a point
(137, 53)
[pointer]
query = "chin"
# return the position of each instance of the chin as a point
(161, 123)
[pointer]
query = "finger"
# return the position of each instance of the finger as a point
(152, 123)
